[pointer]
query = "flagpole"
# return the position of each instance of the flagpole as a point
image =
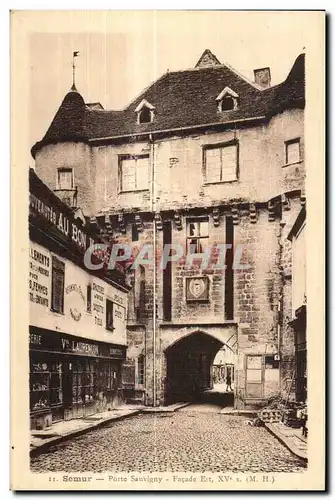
(74, 54)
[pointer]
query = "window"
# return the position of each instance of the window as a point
(57, 285)
(227, 100)
(141, 369)
(134, 173)
(65, 178)
(292, 151)
(145, 112)
(221, 163)
(145, 116)
(89, 298)
(227, 103)
(197, 235)
(109, 315)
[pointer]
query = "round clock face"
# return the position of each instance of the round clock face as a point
(197, 287)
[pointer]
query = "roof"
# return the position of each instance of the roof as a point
(182, 99)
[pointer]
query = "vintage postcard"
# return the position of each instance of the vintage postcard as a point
(167, 293)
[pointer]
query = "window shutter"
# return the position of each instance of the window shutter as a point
(57, 288)
(128, 175)
(213, 165)
(229, 163)
(142, 173)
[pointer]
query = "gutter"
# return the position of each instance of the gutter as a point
(154, 307)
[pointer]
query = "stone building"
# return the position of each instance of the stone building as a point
(201, 158)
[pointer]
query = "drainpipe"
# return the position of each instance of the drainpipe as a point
(154, 307)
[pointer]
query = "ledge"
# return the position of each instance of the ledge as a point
(174, 324)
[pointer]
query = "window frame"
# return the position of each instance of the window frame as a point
(286, 145)
(89, 298)
(261, 369)
(65, 169)
(109, 303)
(135, 157)
(60, 262)
(221, 145)
(197, 220)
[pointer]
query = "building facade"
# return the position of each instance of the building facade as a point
(209, 163)
(77, 332)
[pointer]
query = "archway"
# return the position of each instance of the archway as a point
(189, 364)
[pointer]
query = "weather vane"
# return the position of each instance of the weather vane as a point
(75, 54)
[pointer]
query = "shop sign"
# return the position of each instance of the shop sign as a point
(67, 344)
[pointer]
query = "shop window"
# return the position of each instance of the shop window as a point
(89, 298)
(254, 369)
(197, 235)
(109, 315)
(221, 163)
(292, 151)
(141, 369)
(134, 172)
(83, 377)
(65, 178)
(57, 285)
(46, 384)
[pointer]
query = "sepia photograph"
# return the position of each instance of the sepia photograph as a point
(164, 209)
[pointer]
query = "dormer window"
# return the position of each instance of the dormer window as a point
(227, 100)
(145, 112)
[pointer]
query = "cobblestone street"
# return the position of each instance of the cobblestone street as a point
(192, 440)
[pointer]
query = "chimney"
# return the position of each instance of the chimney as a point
(263, 77)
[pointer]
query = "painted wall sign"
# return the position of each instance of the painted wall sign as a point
(39, 276)
(62, 223)
(98, 303)
(76, 299)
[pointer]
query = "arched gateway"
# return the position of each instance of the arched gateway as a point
(189, 360)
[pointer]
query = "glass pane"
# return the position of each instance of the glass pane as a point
(254, 362)
(254, 376)
(142, 173)
(128, 175)
(229, 156)
(203, 228)
(65, 179)
(254, 390)
(192, 229)
(202, 245)
(293, 152)
(213, 165)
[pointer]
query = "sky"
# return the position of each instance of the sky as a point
(121, 53)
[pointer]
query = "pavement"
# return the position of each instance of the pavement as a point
(61, 431)
(42, 440)
(290, 437)
(191, 439)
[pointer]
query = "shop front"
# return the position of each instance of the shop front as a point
(71, 377)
